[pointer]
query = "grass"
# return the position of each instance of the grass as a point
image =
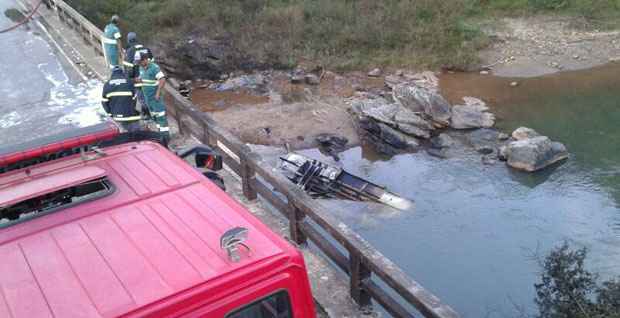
(341, 34)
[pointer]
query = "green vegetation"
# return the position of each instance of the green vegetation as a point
(345, 34)
(568, 290)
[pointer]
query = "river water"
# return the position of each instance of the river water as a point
(478, 232)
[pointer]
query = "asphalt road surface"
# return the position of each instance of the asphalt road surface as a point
(40, 93)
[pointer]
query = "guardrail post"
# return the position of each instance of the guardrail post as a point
(247, 179)
(295, 217)
(359, 274)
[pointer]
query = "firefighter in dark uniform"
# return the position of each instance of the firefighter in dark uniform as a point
(132, 55)
(119, 100)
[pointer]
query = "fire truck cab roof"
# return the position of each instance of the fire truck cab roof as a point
(134, 231)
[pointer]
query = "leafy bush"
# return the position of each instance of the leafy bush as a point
(568, 290)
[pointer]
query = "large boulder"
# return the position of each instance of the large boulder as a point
(473, 114)
(396, 116)
(532, 154)
(423, 100)
(522, 133)
(386, 139)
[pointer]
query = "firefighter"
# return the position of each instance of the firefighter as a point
(152, 80)
(132, 55)
(132, 67)
(111, 41)
(119, 100)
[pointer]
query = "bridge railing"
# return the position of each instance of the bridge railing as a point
(372, 276)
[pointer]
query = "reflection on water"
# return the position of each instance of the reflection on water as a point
(477, 231)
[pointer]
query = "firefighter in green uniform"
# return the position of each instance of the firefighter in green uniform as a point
(111, 41)
(152, 80)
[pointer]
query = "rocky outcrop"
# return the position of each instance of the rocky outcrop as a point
(425, 101)
(395, 116)
(199, 55)
(473, 114)
(532, 153)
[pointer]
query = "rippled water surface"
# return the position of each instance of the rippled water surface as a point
(477, 231)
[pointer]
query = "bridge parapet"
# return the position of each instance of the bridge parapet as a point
(372, 276)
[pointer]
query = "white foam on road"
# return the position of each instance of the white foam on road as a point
(79, 105)
(9, 120)
(84, 104)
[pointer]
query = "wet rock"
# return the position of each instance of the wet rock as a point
(438, 152)
(252, 82)
(375, 72)
(483, 137)
(386, 139)
(533, 154)
(426, 79)
(391, 81)
(331, 144)
(425, 101)
(474, 114)
(442, 141)
(485, 150)
(297, 79)
(503, 137)
(489, 159)
(522, 133)
(312, 79)
(502, 153)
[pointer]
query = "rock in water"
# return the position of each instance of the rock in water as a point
(442, 141)
(386, 139)
(522, 133)
(533, 154)
(312, 79)
(424, 100)
(474, 114)
(375, 72)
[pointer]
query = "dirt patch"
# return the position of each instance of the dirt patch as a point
(534, 46)
(281, 113)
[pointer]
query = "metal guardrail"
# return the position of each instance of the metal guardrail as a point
(364, 264)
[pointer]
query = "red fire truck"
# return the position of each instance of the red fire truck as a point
(129, 229)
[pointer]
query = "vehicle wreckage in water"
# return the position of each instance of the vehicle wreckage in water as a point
(321, 180)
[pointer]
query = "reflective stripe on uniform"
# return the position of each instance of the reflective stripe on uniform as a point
(164, 128)
(160, 75)
(131, 118)
(105, 100)
(108, 41)
(158, 114)
(117, 35)
(149, 82)
(114, 94)
(139, 46)
(128, 64)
